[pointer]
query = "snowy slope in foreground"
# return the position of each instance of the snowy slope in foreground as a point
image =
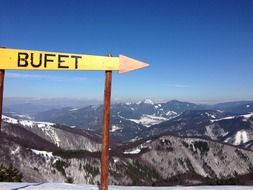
(65, 186)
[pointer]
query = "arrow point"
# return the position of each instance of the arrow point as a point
(128, 64)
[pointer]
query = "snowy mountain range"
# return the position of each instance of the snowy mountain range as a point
(156, 143)
(132, 121)
(153, 161)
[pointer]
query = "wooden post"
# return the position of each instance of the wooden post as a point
(1, 95)
(105, 136)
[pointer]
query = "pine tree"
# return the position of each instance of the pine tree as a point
(10, 174)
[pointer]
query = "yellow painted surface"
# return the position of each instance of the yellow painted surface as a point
(41, 60)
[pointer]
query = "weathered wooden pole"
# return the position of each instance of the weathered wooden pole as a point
(1, 95)
(105, 132)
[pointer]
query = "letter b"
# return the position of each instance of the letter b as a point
(22, 59)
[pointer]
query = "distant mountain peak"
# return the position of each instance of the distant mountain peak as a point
(128, 103)
(148, 101)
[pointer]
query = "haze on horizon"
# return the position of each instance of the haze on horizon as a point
(57, 102)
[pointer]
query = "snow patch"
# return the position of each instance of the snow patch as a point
(227, 140)
(134, 151)
(241, 137)
(210, 115)
(28, 123)
(23, 116)
(115, 160)
(9, 120)
(225, 118)
(139, 102)
(115, 128)
(15, 151)
(245, 116)
(171, 113)
(148, 120)
(225, 133)
(209, 132)
(74, 109)
(138, 149)
(43, 153)
(134, 139)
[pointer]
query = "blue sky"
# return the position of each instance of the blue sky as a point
(198, 50)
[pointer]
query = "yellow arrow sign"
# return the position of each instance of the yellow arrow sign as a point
(41, 60)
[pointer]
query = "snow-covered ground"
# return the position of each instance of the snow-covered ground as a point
(66, 186)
